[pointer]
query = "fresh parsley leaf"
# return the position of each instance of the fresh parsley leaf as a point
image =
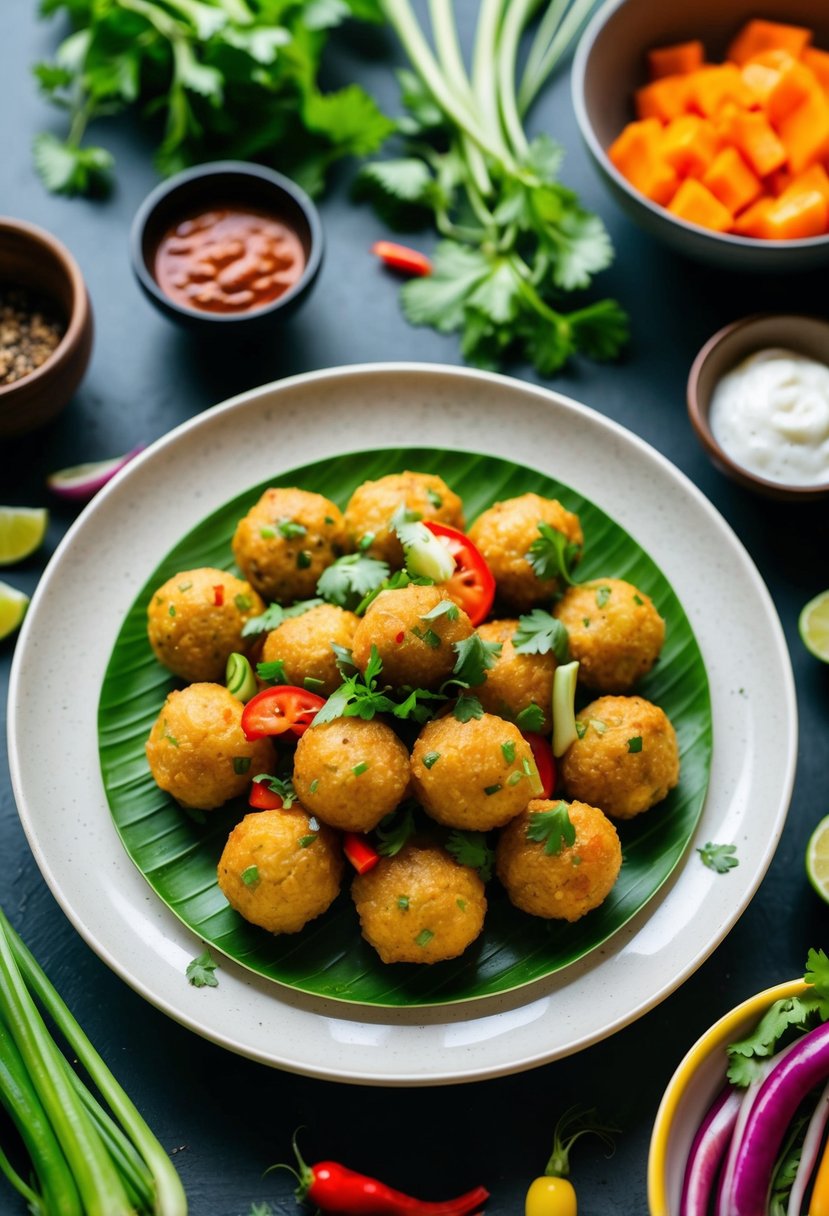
(471, 849)
(395, 830)
(358, 696)
(475, 658)
(274, 615)
(273, 669)
(200, 970)
(419, 704)
(552, 555)
(467, 707)
(540, 633)
(439, 299)
(447, 608)
(635, 744)
(531, 718)
(719, 857)
(345, 659)
(65, 168)
(554, 829)
(817, 974)
(351, 578)
(400, 578)
(602, 595)
(745, 1056)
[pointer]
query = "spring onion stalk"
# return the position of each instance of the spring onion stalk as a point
(564, 707)
(113, 1170)
(239, 678)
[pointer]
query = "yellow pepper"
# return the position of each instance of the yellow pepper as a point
(551, 1197)
(819, 1203)
(553, 1194)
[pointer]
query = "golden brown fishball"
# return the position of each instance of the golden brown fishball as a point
(351, 772)
(372, 505)
(561, 885)
(280, 869)
(415, 638)
(419, 906)
(197, 750)
(477, 774)
(627, 758)
(195, 621)
(504, 534)
(304, 646)
(614, 630)
(516, 681)
(286, 540)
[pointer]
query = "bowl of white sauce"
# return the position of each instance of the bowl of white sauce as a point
(758, 398)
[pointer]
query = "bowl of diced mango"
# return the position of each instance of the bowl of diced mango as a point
(709, 122)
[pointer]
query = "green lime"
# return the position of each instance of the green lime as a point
(22, 530)
(817, 859)
(814, 626)
(13, 605)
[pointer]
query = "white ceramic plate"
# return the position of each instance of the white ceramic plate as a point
(75, 615)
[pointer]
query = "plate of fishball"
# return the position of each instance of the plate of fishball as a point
(248, 441)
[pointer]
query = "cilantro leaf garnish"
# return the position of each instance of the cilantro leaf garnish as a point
(475, 657)
(274, 615)
(531, 717)
(635, 744)
(395, 830)
(283, 786)
(200, 970)
(467, 707)
(400, 578)
(419, 704)
(350, 579)
(554, 829)
(289, 529)
(358, 696)
(602, 595)
(273, 669)
(719, 857)
(539, 633)
(471, 849)
(552, 555)
(447, 608)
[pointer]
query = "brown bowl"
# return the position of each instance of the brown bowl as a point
(33, 259)
(807, 336)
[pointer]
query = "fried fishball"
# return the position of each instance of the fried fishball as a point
(614, 630)
(627, 759)
(477, 774)
(564, 885)
(351, 772)
(372, 505)
(419, 906)
(304, 646)
(516, 681)
(280, 869)
(197, 750)
(195, 621)
(415, 648)
(504, 534)
(285, 542)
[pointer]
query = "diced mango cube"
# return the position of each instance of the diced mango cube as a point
(689, 144)
(759, 35)
(750, 132)
(804, 132)
(675, 60)
(794, 216)
(731, 180)
(636, 153)
(696, 204)
(663, 99)
(711, 88)
(751, 221)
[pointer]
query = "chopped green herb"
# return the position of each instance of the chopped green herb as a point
(329, 520)
(461, 903)
(514, 778)
(581, 728)
(400, 578)
(273, 670)
(540, 633)
(635, 744)
(365, 542)
(508, 750)
(403, 902)
(435, 499)
(395, 830)
(172, 610)
(467, 707)
(278, 785)
(475, 658)
(489, 790)
(314, 786)
(290, 529)
(267, 533)
(184, 586)
(303, 559)
(250, 876)
(431, 638)
(350, 579)
(419, 704)
(637, 599)
(531, 718)
(719, 857)
(274, 615)
(200, 970)
(471, 849)
(430, 759)
(358, 696)
(312, 683)
(344, 658)
(166, 734)
(243, 602)
(552, 555)
(585, 620)
(598, 726)
(424, 937)
(305, 841)
(602, 595)
(554, 829)
(241, 764)
(360, 768)
(447, 608)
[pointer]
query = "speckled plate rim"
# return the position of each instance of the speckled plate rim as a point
(178, 481)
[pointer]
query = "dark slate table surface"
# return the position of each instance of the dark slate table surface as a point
(228, 1118)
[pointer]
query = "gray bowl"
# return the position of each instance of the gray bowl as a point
(610, 64)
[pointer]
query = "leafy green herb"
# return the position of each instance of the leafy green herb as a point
(278, 785)
(351, 578)
(467, 707)
(400, 578)
(243, 602)
(581, 728)
(314, 786)
(241, 764)
(395, 830)
(419, 704)
(424, 937)
(475, 658)
(602, 596)
(447, 608)
(508, 750)
(274, 615)
(554, 829)
(171, 611)
(250, 876)
(552, 555)
(531, 718)
(200, 970)
(358, 696)
(230, 79)
(637, 599)
(435, 499)
(430, 759)
(403, 902)
(303, 559)
(344, 658)
(274, 670)
(540, 633)
(306, 841)
(471, 849)
(290, 529)
(428, 636)
(461, 903)
(171, 739)
(635, 744)
(360, 768)
(267, 533)
(489, 790)
(719, 857)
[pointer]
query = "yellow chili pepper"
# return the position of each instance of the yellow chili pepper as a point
(819, 1203)
(553, 1194)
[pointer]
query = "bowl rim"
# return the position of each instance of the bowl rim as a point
(216, 168)
(578, 90)
(80, 310)
(700, 417)
(715, 1037)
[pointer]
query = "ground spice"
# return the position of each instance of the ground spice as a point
(29, 332)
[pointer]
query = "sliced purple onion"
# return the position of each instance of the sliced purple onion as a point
(81, 482)
(708, 1149)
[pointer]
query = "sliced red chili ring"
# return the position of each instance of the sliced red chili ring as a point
(263, 798)
(472, 585)
(401, 257)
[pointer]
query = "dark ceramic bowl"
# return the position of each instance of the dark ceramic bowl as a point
(33, 259)
(807, 336)
(227, 182)
(610, 64)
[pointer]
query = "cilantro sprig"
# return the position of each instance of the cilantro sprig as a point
(349, 579)
(274, 615)
(552, 555)
(472, 849)
(554, 829)
(718, 857)
(540, 633)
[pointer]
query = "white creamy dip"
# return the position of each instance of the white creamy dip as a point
(771, 415)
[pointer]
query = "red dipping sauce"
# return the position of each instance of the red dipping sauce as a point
(229, 259)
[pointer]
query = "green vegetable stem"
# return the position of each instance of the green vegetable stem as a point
(515, 239)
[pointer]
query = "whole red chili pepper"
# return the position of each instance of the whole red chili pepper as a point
(339, 1191)
(401, 257)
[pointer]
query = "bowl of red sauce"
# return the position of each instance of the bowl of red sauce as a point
(227, 246)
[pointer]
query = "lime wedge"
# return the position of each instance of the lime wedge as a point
(13, 605)
(817, 859)
(22, 530)
(814, 626)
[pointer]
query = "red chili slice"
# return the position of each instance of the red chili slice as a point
(278, 710)
(544, 762)
(218, 595)
(472, 584)
(263, 798)
(401, 257)
(360, 852)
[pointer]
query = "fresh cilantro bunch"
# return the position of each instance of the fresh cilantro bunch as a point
(515, 240)
(224, 78)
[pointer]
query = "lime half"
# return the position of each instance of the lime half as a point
(13, 605)
(22, 530)
(817, 859)
(814, 626)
